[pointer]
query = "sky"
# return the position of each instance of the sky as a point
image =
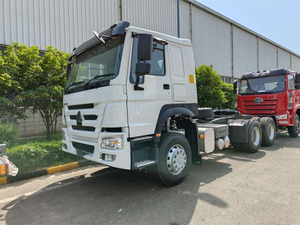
(277, 20)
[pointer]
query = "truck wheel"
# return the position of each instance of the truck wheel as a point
(237, 146)
(175, 158)
(295, 130)
(205, 113)
(254, 137)
(256, 119)
(268, 131)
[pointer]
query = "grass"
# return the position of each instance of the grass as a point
(32, 154)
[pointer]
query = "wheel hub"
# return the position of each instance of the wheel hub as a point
(255, 136)
(271, 131)
(176, 159)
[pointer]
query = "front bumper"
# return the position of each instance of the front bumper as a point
(92, 150)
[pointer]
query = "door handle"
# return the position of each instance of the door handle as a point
(166, 86)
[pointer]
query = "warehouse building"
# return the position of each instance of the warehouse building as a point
(229, 47)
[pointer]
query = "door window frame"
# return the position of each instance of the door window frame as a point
(134, 54)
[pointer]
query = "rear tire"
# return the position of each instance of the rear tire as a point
(237, 146)
(295, 130)
(175, 157)
(254, 137)
(268, 131)
(256, 119)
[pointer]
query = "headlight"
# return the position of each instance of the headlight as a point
(111, 143)
(282, 117)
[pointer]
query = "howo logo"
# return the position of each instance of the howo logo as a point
(258, 101)
(79, 119)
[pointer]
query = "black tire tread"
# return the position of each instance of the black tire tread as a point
(204, 113)
(292, 131)
(264, 126)
(248, 146)
(255, 119)
(237, 146)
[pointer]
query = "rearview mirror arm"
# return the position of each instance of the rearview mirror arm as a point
(137, 81)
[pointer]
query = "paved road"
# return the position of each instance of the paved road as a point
(230, 188)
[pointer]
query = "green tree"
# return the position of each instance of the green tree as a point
(10, 87)
(29, 80)
(209, 91)
(50, 82)
(8, 134)
(229, 95)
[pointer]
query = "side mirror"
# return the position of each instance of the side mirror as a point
(297, 81)
(144, 53)
(145, 47)
(69, 67)
(235, 83)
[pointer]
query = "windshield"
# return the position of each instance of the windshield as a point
(100, 63)
(272, 84)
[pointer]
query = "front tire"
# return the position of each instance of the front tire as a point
(175, 158)
(295, 130)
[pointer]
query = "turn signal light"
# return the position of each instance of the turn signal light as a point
(2, 170)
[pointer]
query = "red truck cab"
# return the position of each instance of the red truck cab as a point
(271, 93)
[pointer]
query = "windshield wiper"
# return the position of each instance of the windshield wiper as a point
(98, 76)
(73, 85)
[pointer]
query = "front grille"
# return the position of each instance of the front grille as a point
(86, 117)
(90, 117)
(83, 147)
(83, 106)
(267, 107)
(114, 129)
(84, 128)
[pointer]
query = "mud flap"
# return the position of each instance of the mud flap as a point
(238, 130)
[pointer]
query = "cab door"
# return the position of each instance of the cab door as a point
(144, 106)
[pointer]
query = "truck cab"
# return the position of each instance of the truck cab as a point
(274, 93)
(131, 102)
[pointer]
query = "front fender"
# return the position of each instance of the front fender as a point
(167, 111)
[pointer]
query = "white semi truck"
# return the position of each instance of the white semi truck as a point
(131, 102)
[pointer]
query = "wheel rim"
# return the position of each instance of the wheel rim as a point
(255, 136)
(271, 131)
(176, 159)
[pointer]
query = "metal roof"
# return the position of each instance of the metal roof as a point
(219, 15)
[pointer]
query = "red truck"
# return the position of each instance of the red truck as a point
(273, 97)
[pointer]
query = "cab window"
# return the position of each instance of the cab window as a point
(157, 62)
(291, 82)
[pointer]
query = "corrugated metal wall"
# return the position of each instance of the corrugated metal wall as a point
(284, 58)
(61, 23)
(244, 52)
(155, 15)
(66, 23)
(185, 20)
(267, 55)
(211, 41)
(295, 63)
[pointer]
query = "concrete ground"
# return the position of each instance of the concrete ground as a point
(230, 188)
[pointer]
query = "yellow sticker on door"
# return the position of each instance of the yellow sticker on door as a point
(192, 79)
